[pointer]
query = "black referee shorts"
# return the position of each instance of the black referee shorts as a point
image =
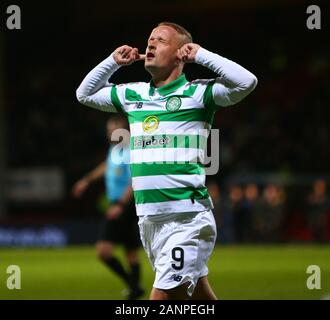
(122, 231)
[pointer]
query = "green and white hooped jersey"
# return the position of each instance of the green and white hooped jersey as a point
(169, 128)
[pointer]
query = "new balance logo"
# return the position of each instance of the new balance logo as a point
(138, 105)
(176, 277)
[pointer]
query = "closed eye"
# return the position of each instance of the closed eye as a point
(159, 39)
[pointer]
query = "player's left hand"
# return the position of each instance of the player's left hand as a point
(114, 211)
(187, 52)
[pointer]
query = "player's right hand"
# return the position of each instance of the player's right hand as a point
(79, 188)
(126, 55)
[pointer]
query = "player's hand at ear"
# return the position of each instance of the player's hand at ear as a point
(187, 52)
(126, 55)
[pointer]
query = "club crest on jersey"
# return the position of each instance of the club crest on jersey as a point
(150, 124)
(173, 104)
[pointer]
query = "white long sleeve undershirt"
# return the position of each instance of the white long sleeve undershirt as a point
(232, 84)
(94, 89)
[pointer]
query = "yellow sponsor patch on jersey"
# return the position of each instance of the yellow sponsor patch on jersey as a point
(150, 124)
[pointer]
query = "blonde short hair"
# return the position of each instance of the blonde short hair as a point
(185, 35)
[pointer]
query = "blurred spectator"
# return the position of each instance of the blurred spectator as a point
(268, 221)
(222, 216)
(236, 197)
(318, 206)
(252, 207)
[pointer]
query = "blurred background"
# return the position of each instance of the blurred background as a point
(273, 182)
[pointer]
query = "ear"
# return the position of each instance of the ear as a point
(178, 55)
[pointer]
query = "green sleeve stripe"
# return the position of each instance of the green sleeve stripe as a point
(132, 95)
(208, 100)
(190, 91)
(170, 194)
(153, 169)
(115, 100)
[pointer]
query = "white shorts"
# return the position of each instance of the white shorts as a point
(178, 246)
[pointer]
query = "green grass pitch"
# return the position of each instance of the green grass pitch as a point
(236, 272)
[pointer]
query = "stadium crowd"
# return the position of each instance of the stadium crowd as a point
(264, 214)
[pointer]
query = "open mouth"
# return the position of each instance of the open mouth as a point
(150, 55)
